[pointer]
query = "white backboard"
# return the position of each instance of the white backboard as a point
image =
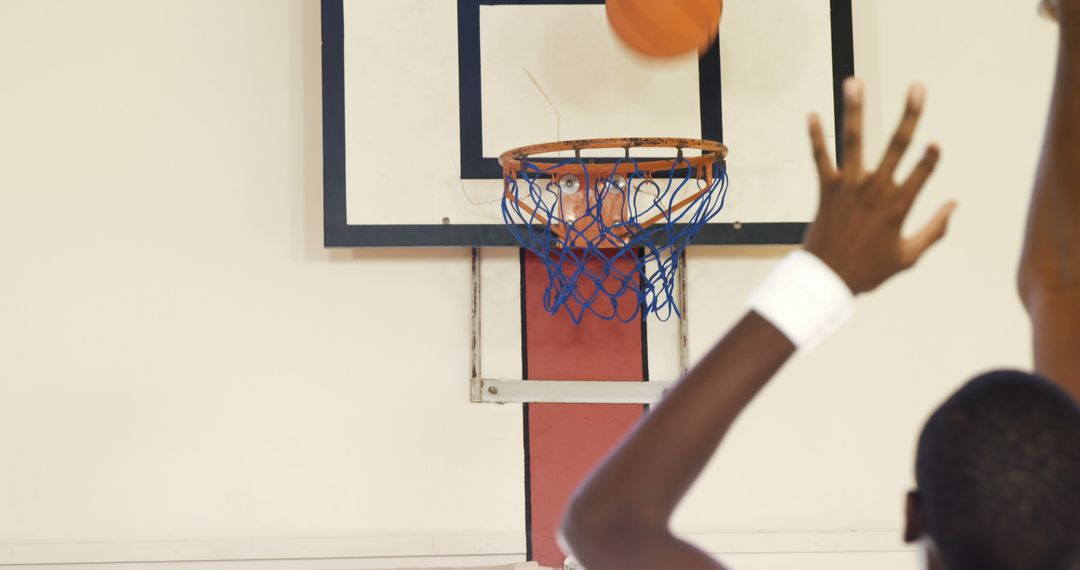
(421, 96)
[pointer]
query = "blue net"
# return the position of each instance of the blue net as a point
(611, 234)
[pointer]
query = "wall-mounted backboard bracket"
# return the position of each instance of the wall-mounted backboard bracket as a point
(493, 391)
(566, 392)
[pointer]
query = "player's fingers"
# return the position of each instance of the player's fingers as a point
(853, 132)
(901, 139)
(932, 232)
(826, 168)
(923, 171)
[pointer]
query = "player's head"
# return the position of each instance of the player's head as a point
(998, 472)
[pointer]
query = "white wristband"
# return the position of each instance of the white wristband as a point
(805, 299)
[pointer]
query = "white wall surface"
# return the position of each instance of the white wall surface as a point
(184, 369)
(180, 360)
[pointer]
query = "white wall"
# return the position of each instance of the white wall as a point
(182, 362)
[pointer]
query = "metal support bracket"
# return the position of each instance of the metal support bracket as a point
(568, 392)
(490, 391)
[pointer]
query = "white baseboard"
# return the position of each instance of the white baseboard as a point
(315, 564)
(808, 542)
(485, 546)
(395, 551)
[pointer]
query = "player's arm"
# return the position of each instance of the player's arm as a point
(619, 518)
(1050, 267)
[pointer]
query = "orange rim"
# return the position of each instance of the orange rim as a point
(711, 151)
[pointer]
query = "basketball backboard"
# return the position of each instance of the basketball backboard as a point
(422, 96)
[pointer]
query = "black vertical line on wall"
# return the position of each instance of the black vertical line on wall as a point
(525, 414)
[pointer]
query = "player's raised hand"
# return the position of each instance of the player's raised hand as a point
(861, 215)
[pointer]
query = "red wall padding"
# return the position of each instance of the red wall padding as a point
(565, 441)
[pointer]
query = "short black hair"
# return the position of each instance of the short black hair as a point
(998, 470)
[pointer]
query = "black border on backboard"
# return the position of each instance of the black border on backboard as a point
(338, 232)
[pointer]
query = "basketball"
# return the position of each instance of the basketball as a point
(666, 28)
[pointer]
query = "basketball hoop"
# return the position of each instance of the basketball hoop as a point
(611, 230)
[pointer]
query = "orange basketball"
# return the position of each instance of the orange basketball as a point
(666, 28)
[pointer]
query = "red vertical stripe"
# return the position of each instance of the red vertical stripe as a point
(565, 440)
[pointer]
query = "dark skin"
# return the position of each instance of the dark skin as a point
(1049, 276)
(619, 518)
